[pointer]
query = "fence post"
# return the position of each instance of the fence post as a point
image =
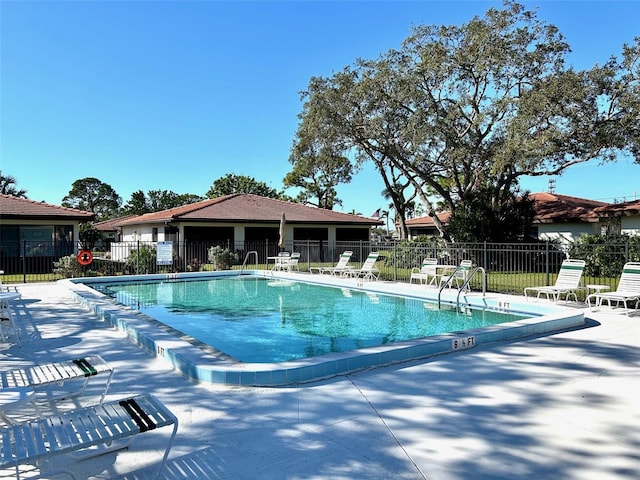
(485, 259)
(626, 250)
(138, 258)
(395, 263)
(24, 261)
(547, 266)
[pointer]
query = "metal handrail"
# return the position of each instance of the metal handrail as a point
(451, 275)
(244, 263)
(466, 283)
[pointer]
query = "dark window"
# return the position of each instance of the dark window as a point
(260, 234)
(302, 233)
(209, 234)
(352, 234)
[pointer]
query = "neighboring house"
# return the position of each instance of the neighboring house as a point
(108, 229)
(425, 226)
(31, 231)
(558, 217)
(620, 217)
(565, 218)
(240, 219)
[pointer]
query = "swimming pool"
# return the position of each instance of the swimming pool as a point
(256, 319)
(281, 308)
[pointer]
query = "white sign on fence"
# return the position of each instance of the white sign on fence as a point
(164, 253)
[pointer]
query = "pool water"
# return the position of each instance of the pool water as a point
(255, 319)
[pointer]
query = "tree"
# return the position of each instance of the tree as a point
(319, 159)
(156, 201)
(231, 183)
(92, 195)
(484, 219)
(317, 171)
(164, 199)
(137, 204)
(458, 108)
(8, 186)
(402, 203)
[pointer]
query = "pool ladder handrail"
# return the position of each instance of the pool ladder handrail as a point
(246, 257)
(465, 284)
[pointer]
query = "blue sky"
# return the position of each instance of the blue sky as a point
(154, 95)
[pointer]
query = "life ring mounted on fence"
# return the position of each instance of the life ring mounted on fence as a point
(85, 257)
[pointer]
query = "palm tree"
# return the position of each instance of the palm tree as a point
(8, 186)
(385, 214)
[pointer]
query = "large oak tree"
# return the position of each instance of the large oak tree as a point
(473, 108)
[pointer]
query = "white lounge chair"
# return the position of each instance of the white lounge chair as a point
(627, 291)
(427, 273)
(56, 374)
(84, 432)
(567, 282)
(368, 271)
(459, 275)
(7, 320)
(340, 267)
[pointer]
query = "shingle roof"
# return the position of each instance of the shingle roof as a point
(555, 208)
(428, 221)
(549, 207)
(247, 207)
(110, 225)
(22, 208)
(619, 209)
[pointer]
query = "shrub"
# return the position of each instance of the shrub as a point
(194, 265)
(142, 260)
(606, 254)
(67, 267)
(221, 258)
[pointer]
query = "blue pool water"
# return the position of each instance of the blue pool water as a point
(256, 319)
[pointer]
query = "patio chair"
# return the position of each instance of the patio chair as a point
(281, 260)
(84, 432)
(628, 289)
(340, 267)
(567, 282)
(291, 263)
(368, 271)
(6, 288)
(427, 273)
(459, 275)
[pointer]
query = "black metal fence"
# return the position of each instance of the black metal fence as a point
(510, 266)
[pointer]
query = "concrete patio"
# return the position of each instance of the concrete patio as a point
(565, 406)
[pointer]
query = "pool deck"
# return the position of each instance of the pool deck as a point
(560, 406)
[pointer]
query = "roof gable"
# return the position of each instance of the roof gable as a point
(23, 208)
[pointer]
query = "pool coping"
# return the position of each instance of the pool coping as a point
(205, 366)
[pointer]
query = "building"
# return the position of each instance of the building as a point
(35, 234)
(561, 218)
(564, 218)
(240, 220)
(620, 217)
